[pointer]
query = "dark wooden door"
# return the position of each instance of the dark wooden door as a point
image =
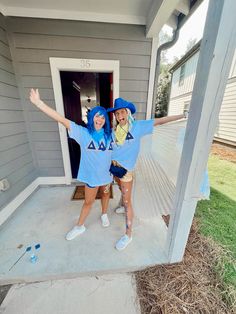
(73, 86)
(72, 108)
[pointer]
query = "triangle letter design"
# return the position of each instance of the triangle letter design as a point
(102, 146)
(129, 136)
(110, 146)
(91, 145)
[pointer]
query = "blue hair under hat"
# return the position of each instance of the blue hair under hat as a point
(121, 103)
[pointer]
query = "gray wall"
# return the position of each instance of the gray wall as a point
(33, 41)
(16, 162)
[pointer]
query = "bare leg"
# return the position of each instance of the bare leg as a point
(90, 195)
(105, 195)
(121, 198)
(126, 188)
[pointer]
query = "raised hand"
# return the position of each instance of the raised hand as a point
(35, 99)
(34, 96)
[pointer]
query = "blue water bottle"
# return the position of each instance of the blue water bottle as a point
(33, 256)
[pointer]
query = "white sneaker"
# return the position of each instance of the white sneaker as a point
(120, 210)
(123, 242)
(105, 220)
(74, 232)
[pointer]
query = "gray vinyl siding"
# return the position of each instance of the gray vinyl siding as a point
(232, 73)
(189, 77)
(179, 95)
(16, 162)
(227, 118)
(176, 105)
(35, 40)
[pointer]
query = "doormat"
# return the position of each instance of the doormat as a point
(78, 193)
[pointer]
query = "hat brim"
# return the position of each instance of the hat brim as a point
(129, 106)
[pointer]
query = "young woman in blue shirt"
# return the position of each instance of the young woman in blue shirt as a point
(95, 143)
(126, 145)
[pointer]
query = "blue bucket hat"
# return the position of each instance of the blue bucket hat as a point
(121, 103)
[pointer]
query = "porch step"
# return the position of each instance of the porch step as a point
(101, 295)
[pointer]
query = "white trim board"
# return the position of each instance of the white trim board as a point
(155, 43)
(159, 15)
(8, 210)
(78, 65)
(73, 15)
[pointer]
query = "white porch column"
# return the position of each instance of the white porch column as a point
(216, 53)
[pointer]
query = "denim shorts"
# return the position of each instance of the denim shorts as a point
(89, 186)
(107, 188)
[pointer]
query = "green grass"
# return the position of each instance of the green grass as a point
(218, 219)
(217, 216)
(222, 175)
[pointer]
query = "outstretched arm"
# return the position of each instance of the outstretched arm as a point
(35, 99)
(164, 120)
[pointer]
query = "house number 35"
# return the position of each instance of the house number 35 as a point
(85, 64)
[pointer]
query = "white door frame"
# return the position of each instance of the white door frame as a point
(77, 65)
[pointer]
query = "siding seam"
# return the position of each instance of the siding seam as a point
(4, 43)
(8, 84)
(5, 57)
(5, 136)
(3, 151)
(7, 71)
(180, 96)
(148, 41)
(28, 174)
(83, 51)
(23, 165)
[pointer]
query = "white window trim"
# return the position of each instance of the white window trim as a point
(182, 74)
(77, 65)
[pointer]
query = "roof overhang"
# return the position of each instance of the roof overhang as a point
(153, 14)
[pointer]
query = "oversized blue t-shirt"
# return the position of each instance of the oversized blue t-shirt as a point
(95, 158)
(127, 153)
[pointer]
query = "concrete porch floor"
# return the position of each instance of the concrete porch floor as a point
(47, 216)
(106, 294)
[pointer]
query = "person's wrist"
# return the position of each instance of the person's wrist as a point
(185, 114)
(38, 103)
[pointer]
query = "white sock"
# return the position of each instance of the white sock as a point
(81, 226)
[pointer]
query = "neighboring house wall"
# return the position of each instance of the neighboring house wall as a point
(227, 118)
(184, 88)
(16, 162)
(180, 97)
(33, 41)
